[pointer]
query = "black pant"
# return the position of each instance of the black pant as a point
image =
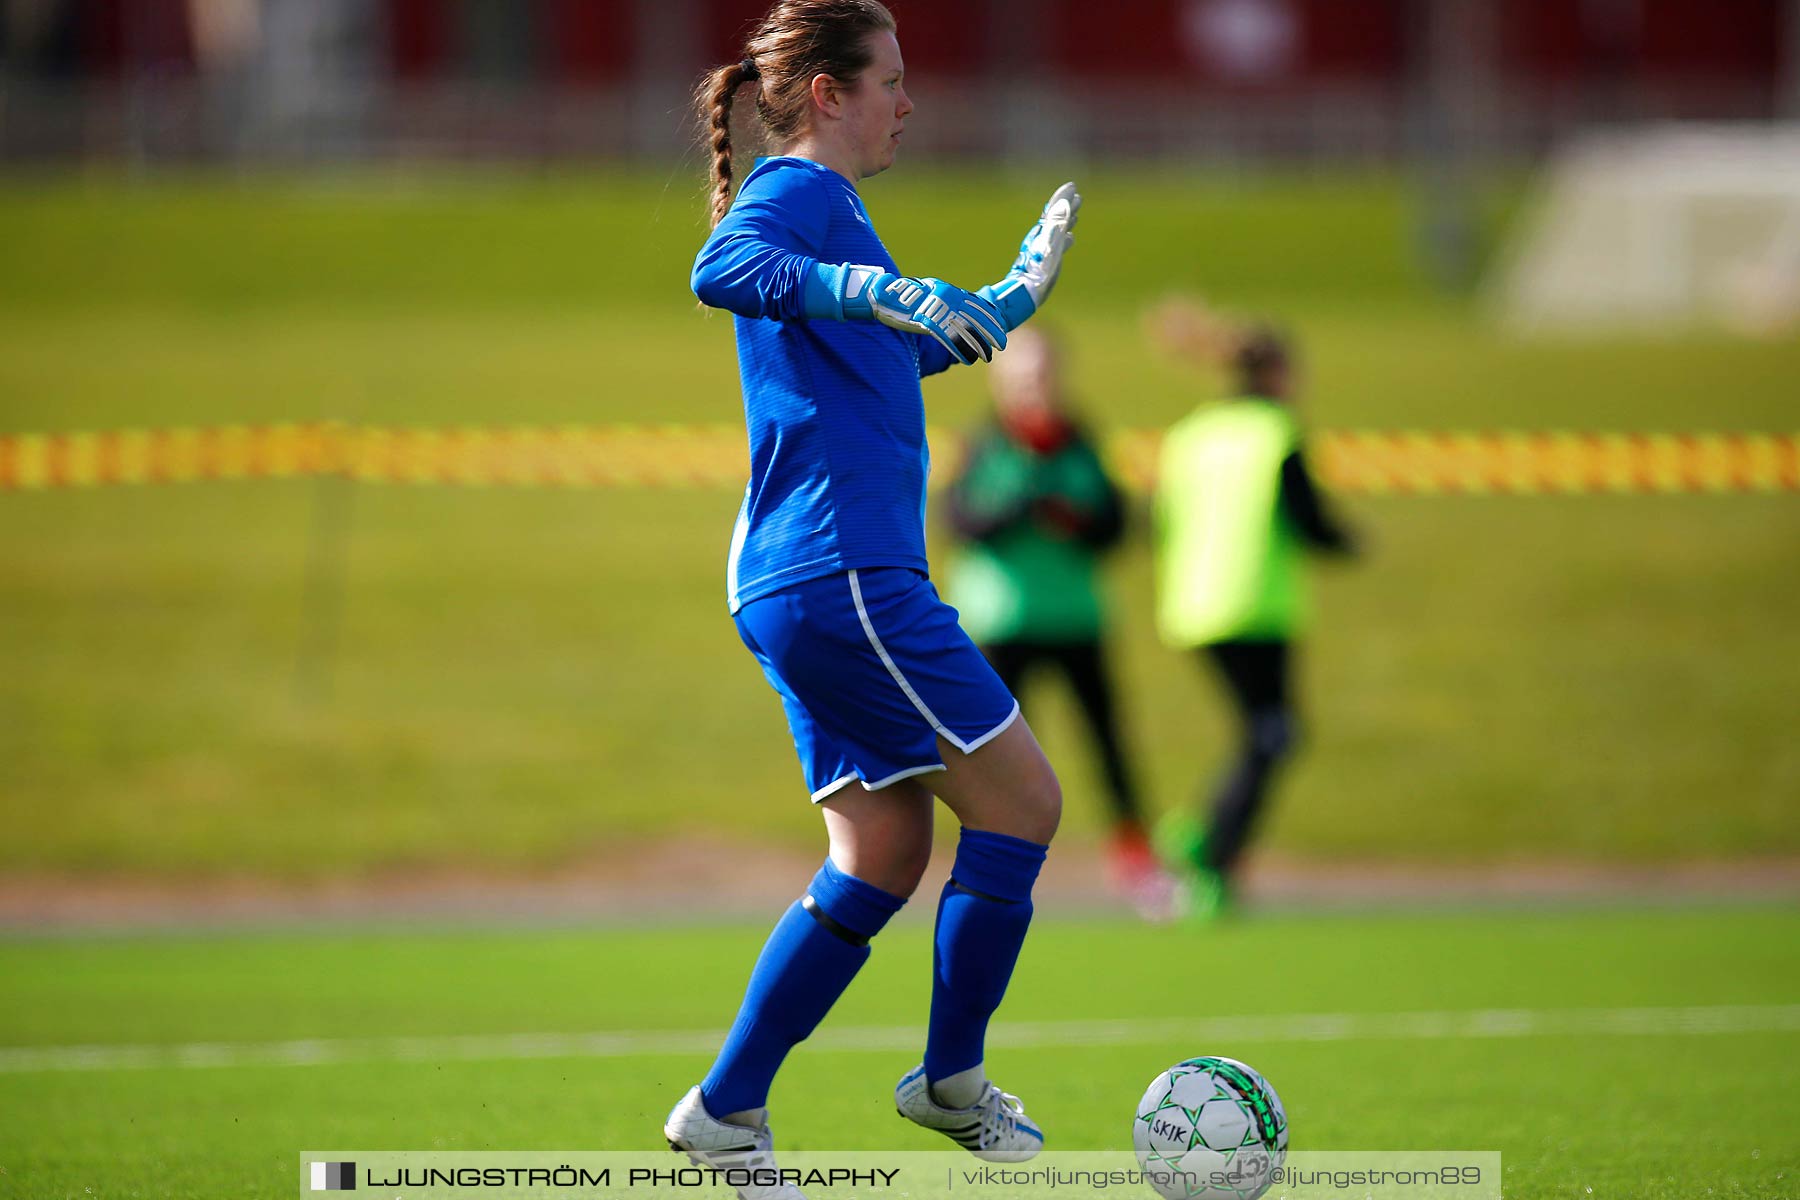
(1258, 677)
(1083, 664)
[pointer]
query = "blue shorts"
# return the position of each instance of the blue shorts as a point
(872, 667)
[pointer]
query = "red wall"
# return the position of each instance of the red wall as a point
(578, 41)
(419, 38)
(1673, 39)
(587, 41)
(936, 36)
(143, 34)
(1336, 41)
(590, 41)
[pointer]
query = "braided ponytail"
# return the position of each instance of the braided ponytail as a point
(716, 92)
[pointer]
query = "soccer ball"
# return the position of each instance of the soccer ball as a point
(1210, 1129)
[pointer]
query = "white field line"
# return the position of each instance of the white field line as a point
(1202, 1033)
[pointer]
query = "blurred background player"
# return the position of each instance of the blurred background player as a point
(887, 699)
(1039, 511)
(1236, 507)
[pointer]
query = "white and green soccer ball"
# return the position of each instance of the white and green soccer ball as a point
(1210, 1129)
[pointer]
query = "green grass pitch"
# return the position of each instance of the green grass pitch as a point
(524, 679)
(1660, 1115)
(1531, 678)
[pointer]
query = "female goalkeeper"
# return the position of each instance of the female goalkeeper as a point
(888, 700)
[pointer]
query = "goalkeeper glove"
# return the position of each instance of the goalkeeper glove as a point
(967, 325)
(1034, 272)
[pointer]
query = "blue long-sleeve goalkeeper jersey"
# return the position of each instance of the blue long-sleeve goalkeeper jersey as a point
(838, 460)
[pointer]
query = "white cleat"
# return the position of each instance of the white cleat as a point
(993, 1128)
(710, 1142)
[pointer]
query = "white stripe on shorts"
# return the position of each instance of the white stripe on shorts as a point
(825, 793)
(996, 731)
(897, 776)
(862, 614)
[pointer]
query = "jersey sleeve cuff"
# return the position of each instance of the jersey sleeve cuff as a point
(841, 292)
(1012, 298)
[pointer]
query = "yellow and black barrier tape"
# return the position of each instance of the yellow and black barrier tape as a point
(597, 456)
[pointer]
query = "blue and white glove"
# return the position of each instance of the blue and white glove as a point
(1034, 272)
(967, 325)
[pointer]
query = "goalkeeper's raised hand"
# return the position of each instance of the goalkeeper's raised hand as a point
(1034, 272)
(969, 326)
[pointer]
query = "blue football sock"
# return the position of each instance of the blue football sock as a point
(811, 957)
(981, 922)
